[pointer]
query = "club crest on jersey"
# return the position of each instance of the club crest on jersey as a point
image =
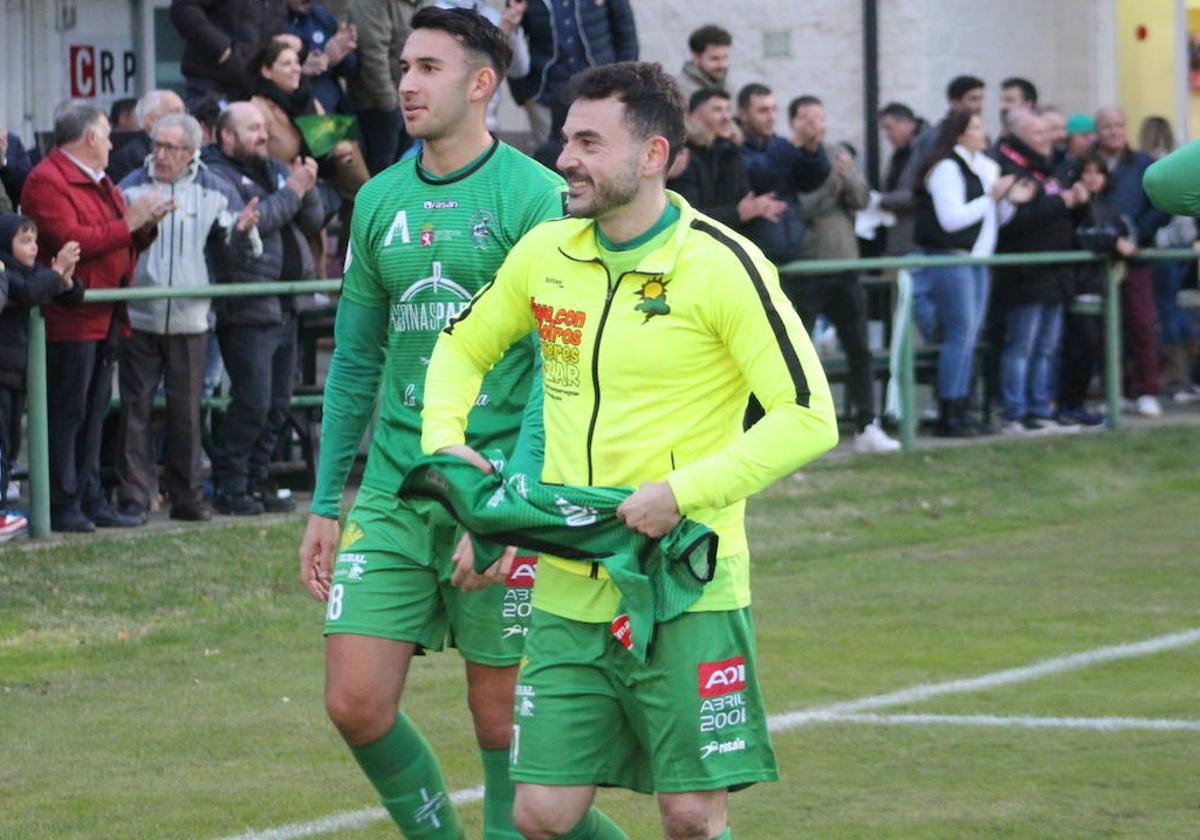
(523, 572)
(724, 677)
(426, 235)
(653, 296)
(481, 228)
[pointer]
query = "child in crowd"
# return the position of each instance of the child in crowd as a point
(28, 284)
(1104, 231)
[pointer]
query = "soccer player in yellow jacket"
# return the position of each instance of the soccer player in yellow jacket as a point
(656, 323)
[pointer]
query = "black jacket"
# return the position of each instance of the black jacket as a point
(285, 223)
(1101, 224)
(1044, 223)
(209, 27)
(129, 157)
(715, 180)
(608, 33)
(27, 287)
(16, 169)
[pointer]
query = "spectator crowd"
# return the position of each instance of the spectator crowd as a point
(245, 175)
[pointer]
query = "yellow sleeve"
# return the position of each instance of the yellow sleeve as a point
(768, 342)
(470, 346)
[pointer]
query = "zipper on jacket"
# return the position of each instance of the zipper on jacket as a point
(171, 265)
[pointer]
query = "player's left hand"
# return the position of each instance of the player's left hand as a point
(468, 454)
(466, 578)
(651, 510)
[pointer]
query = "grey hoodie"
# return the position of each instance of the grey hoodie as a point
(193, 240)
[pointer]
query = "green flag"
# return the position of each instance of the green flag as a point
(324, 131)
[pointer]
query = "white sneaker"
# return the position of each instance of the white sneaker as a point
(1148, 406)
(874, 439)
(11, 524)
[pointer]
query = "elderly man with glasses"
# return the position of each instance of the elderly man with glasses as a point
(168, 338)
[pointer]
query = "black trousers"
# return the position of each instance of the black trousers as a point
(1082, 357)
(842, 299)
(178, 362)
(79, 378)
(261, 362)
(12, 404)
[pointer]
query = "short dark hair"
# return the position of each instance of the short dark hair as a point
(707, 36)
(652, 99)
(960, 86)
(207, 110)
(703, 95)
(749, 92)
(1028, 92)
(478, 35)
(799, 102)
(74, 119)
(21, 223)
(897, 111)
(121, 107)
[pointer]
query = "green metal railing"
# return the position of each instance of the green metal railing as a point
(37, 407)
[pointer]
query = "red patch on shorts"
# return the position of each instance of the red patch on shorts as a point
(622, 630)
(724, 677)
(522, 573)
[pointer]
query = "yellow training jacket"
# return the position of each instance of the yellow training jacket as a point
(646, 376)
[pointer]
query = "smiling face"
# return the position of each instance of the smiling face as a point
(1094, 178)
(1110, 130)
(601, 159)
(285, 71)
(440, 83)
(716, 115)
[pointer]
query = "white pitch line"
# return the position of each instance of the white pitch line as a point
(345, 820)
(818, 714)
(1058, 665)
(1101, 724)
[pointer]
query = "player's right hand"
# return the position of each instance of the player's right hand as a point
(316, 555)
(468, 454)
(466, 578)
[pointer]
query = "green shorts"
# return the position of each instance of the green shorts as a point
(391, 580)
(587, 712)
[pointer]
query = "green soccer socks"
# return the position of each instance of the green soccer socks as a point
(595, 826)
(498, 792)
(727, 834)
(404, 770)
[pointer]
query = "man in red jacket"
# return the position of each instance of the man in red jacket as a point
(70, 198)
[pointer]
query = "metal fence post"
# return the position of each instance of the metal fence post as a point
(39, 428)
(908, 364)
(1112, 343)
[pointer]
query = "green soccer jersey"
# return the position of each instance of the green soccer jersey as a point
(420, 248)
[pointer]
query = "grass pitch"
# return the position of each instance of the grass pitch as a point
(169, 686)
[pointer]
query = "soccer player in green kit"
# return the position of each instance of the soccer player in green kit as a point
(427, 234)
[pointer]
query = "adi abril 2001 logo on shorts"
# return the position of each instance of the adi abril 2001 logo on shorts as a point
(724, 677)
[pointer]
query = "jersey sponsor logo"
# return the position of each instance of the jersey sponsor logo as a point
(440, 205)
(722, 747)
(481, 228)
(622, 630)
(561, 332)
(356, 564)
(522, 573)
(724, 677)
(654, 298)
(409, 314)
(575, 516)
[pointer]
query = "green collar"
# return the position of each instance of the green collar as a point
(581, 245)
(670, 215)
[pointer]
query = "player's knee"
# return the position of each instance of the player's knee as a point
(687, 821)
(360, 719)
(539, 819)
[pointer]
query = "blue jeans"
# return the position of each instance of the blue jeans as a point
(1029, 364)
(1174, 327)
(955, 297)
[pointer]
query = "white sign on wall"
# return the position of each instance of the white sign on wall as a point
(102, 70)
